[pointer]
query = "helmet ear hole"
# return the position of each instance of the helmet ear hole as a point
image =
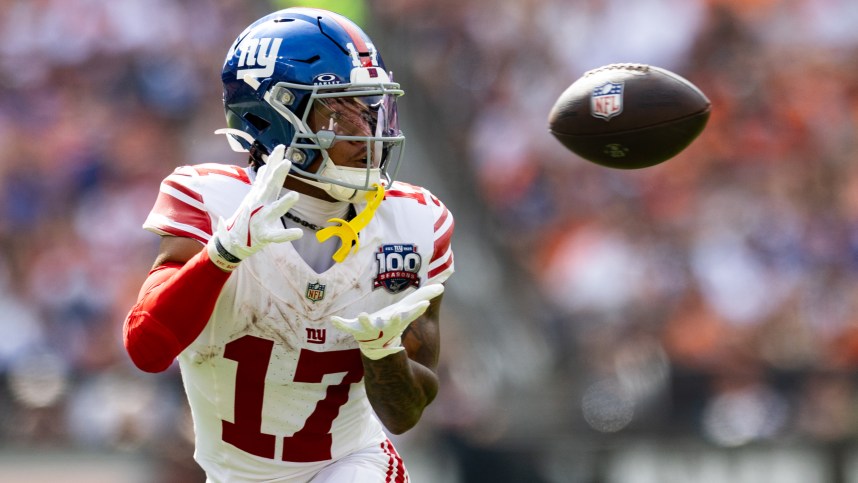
(256, 121)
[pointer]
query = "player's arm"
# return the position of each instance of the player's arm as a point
(176, 250)
(173, 305)
(399, 378)
(400, 386)
(179, 295)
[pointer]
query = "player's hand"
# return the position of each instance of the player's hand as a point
(379, 334)
(256, 222)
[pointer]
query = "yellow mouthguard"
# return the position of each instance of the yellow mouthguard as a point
(348, 230)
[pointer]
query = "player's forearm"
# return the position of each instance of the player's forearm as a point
(399, 389)
(174, 306)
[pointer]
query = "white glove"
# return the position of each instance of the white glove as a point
(379, 334)
(256, 222)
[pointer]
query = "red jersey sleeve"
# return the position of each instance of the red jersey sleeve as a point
(192, 197)
(177, 300)
(173, 307)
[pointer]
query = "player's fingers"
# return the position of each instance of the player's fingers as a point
(409, 313)
(281, 235)
(261, 173)
(366, 322)
(277, 156)
(282, 167)
(279, 207)
(427, 292)
(272, 175)
(344, 325)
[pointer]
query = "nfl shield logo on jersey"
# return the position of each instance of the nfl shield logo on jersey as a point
(315, 291)
(606, 101)
(397, 267)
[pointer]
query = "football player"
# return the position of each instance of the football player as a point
(300, 293)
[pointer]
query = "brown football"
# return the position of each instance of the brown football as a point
(629, 116)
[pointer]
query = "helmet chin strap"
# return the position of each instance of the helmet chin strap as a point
(337, 192)
(353, 176)
(326, 187)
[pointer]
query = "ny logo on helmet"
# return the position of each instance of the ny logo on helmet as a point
(355, 55)
(257, 56)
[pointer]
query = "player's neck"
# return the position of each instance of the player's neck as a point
(308, 190)
(319, 211)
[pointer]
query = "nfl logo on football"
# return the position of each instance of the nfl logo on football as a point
(607, 100)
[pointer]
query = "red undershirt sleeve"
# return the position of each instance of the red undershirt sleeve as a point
(174, 305)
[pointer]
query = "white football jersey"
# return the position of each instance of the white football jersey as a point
(275, 389)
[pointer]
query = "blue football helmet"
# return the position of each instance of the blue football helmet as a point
(309, 78)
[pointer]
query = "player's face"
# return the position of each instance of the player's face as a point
(347, 116)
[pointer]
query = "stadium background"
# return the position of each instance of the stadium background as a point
(695, 321)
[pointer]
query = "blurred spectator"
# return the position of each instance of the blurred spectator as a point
(721, 284)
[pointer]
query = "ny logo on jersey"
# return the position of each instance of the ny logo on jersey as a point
(315, 291)
(257, 56)
(316, 336)
(397, 267)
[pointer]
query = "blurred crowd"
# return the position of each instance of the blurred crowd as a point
(101, 101)
(720, 285)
